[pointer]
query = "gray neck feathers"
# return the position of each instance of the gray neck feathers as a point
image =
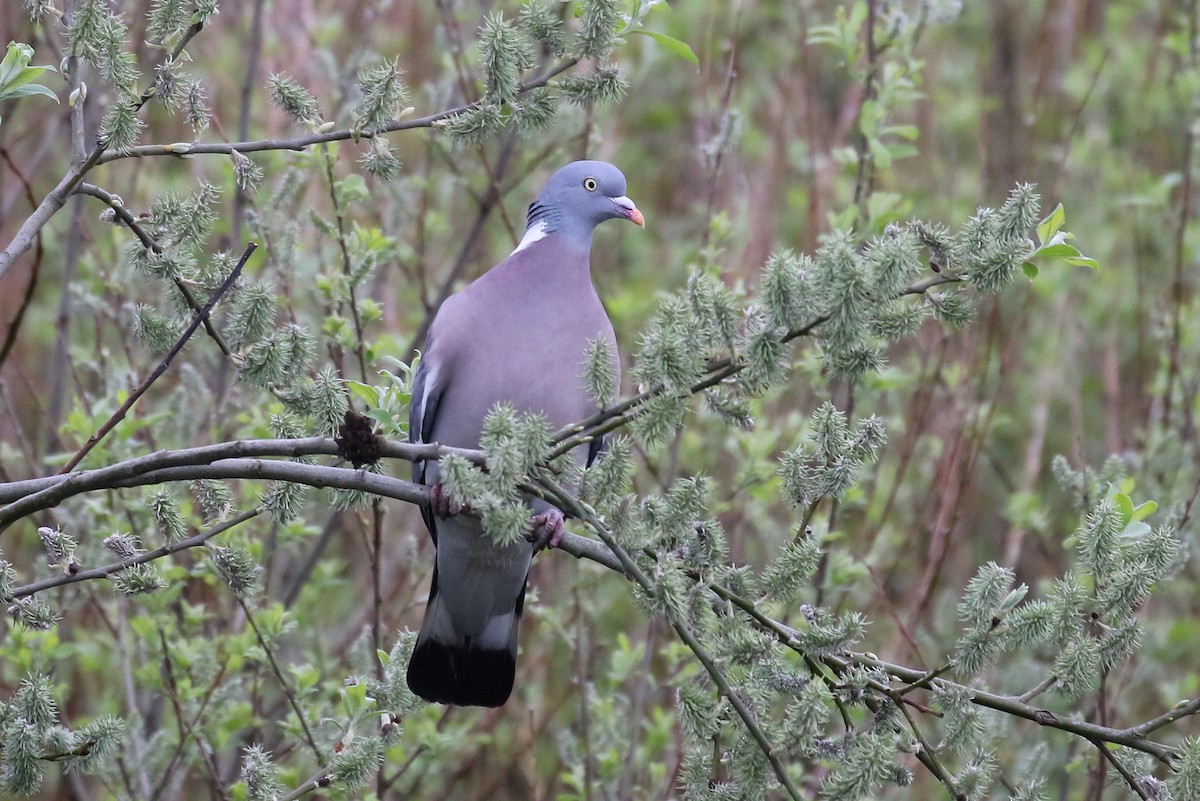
(570, 228)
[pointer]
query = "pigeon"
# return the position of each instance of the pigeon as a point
(516, 335)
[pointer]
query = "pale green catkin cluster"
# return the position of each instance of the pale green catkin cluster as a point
(30, 730)
(510, 57)
(770, 642)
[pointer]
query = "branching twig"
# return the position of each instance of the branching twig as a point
(927, 755)
(58, 196)
(283, 682)
(636, 574)
(125, 564)
(186, 728)
(1165, 719)
(120, 413)
(1129, 778)
(55, 200)
(149, 243)
(622, 413)
(339, 216)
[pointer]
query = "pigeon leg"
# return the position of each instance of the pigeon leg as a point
(547, 529)
(443, 505)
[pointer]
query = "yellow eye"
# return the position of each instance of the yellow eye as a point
(589, 184)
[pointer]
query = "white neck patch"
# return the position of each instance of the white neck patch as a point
(535, 232)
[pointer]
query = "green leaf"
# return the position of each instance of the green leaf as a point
(1136, 530)
(15, 60)
(1143, 510)
(16, 77)
(1124, 505)
(1060, 250)
(353, 189)
(903, 131)
(1083, 261)
(681, 49)
(1050, 226)
(365, 391)
(389, 421)
(1011, 600)
(1030, 269)
(306, 675)
(26, 91)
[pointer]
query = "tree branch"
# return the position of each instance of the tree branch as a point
(149, 243)
(606, 420)
(55, 200)
(125, 564)
(635, 573)
(120, 413)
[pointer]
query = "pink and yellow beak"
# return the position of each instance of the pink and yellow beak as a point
(630, 211)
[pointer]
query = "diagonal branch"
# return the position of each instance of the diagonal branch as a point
(614, 417)
(116, 567)
(149, 243)
(635, 573)
(120, 413)
(283, 682)
(54, 201)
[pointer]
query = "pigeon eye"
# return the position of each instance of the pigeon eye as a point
(589, 184)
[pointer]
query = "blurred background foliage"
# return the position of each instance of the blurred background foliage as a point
(755, 148)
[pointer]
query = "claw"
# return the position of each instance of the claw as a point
(547, 529)
(443, 505)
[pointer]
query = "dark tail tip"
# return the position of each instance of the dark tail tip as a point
(461, 675)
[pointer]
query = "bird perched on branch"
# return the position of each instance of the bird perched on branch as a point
(516, 335)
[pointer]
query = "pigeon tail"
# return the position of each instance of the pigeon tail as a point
(449, 668)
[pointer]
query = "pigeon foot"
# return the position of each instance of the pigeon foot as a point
(547, 530)
(443, 505)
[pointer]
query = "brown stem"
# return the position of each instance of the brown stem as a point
(120, 413)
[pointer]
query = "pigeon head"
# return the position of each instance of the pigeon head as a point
(576, 199)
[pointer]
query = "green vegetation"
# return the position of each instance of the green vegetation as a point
(900, 497)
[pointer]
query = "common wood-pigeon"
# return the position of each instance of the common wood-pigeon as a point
(518, 335)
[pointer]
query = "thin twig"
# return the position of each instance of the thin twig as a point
(1130, 779)
(57, 197)
(177, 754)
(116, 567)
(251, 57)
(14, 325)
(1179, 251)
(149, 243)
(283, 682)
(1165, 719)
(606, 420)
(186, 728)
(862, 177)
(120, 413)
(635, 573)
(487, 204)
(339, 216)
(928, 756)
